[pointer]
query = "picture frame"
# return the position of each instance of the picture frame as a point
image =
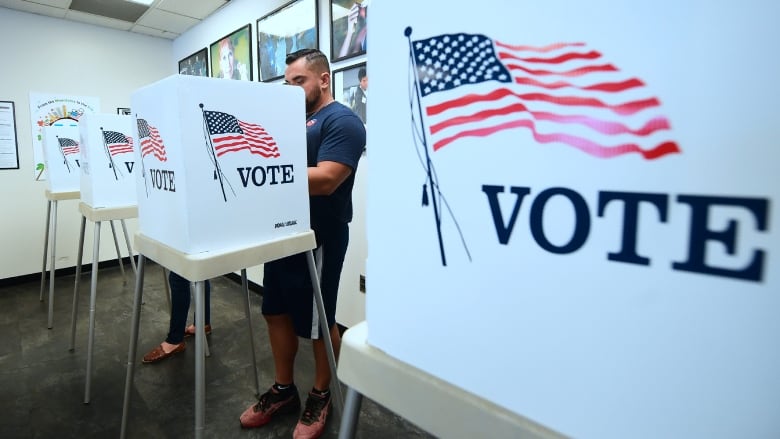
(196, 64)
(9, 143)
(123, 111)
(287, 29)
(347, 88)
(348, 28)
(231, 56)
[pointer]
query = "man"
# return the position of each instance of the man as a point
(359, 101)
(335, 138)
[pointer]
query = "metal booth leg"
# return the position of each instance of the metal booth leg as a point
(79, 260)
(52, 265)
(129, 247)
(205, 341)
(45, 248)
(200, 370)
(133, 348)
(247, 309)
(350, 417)
(92, 300)
(118, 253)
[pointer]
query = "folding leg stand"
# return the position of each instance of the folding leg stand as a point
(50, 241)
(97, 215)
(199, 267)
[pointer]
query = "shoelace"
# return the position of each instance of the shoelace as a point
(264, 402)
(314, 406)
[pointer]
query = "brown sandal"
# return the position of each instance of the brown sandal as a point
(187, 332)
(159, 354)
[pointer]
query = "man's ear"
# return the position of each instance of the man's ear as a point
(325, 79)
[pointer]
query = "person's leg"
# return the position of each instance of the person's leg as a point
(334, 251)
(180, 305)
(322, 374)
(283, 396)
(190, 331)
(284, 346)
(311, 423)
(207, 303)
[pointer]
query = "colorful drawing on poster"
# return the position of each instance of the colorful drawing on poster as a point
(47, 109)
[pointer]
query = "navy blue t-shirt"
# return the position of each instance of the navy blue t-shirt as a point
(334, 134)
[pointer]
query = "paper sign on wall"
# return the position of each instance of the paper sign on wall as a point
(47, 109)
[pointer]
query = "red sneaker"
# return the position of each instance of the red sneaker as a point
(312, 421)
(270, 403)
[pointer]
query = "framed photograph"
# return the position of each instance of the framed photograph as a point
(287, 29)
(195, 64)
(348, 28)
(123, 111)
(350, 87)
(231, 55)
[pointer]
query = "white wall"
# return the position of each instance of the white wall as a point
(237, 13)
(51, 55)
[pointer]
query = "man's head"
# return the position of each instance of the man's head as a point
(309, 68)
(363, 78)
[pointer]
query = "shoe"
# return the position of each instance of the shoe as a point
(270, 403)
(188, 333)
(312, 421)
(158, 354)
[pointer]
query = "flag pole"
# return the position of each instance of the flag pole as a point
(108, 154)
(64, 158)
(140, 151)
(213, 154)
(428, 163)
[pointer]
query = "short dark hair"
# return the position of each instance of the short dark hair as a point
(361, 73)
(315, 59)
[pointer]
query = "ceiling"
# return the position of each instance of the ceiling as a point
(163, 18)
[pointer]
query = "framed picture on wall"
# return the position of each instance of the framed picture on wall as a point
(287, 29)
(350, 87)
(231, 56)
(348, 28)
(9, 144)
(195, 64)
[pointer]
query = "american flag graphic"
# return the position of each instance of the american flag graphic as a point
(117, 142)
(228, 134)
(473, 86)
(151, 142)
(68, 146)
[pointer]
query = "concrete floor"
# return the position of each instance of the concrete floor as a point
(42, 382)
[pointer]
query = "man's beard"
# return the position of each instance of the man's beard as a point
(312, 101)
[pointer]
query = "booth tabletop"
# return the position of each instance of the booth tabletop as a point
(96, 214)
(56, 196)
(206, 265)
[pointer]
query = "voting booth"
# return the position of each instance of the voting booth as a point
(61, 153)
(574, 211)
(107, 161)
(223, 187)
(219, 161)
(107, 194)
